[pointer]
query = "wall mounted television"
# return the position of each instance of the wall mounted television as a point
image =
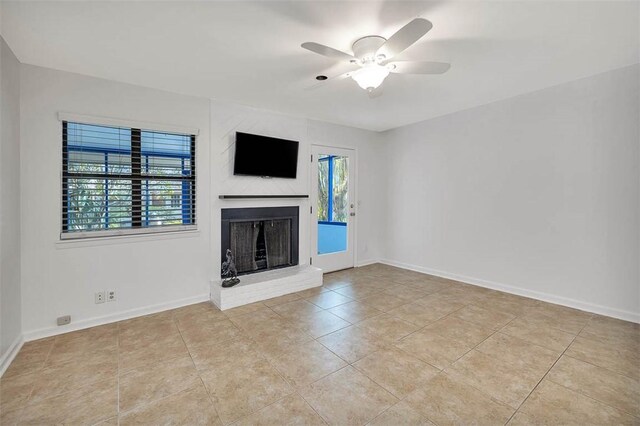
(264, 156)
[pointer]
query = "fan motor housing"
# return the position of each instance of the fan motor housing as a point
(366, 47)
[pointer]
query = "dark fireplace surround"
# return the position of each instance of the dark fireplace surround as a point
(260, 238)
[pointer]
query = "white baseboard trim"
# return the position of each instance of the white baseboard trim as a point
(360, 263)
(538, 295)
(119, 316)
(10, 354)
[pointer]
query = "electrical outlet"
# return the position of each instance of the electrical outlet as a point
(111, 295)
(64, 320)
(100, 297)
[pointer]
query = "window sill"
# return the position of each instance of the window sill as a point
(125, 238)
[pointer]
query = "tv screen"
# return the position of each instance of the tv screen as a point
(265, 156)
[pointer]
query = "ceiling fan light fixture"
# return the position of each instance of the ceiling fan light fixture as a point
(373, 54)
(371, 76)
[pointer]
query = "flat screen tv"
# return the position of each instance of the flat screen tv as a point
(264, 156)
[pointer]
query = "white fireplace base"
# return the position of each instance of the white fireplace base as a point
(265, 285)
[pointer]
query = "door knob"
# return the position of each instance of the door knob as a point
(352, 214)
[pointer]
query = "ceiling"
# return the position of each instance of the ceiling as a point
(249, 52)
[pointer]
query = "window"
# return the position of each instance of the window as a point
(332, 189)
(125, 180)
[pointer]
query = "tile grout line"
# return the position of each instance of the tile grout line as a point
(28, 400)
(594, 365)
(525, 340)
(295, 389)
(588, 362)
(374, 381)
(548, 371)
(311, 406)
(352, 364)
(551, 367)
(176, 322)
(420, 328)
(595, 399)
(347, 363)
(118, 369)
(604, 368)
(442, 371)
(463, 355)
(54, 339)
(166, 361)
(312, 339)
(498, 331)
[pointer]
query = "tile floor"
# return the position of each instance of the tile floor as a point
(376, 345)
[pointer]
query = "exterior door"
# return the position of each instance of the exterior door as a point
(333, 212)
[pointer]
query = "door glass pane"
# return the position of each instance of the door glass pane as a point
(340, 189)
(323, 189)
(332, 203)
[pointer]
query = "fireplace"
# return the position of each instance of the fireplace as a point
(260, 238)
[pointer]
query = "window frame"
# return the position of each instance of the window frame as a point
(138, 227)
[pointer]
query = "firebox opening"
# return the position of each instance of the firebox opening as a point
(261, 238)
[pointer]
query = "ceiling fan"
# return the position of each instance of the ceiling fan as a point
(373, 54)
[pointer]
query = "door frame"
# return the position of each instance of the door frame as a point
(353, 175)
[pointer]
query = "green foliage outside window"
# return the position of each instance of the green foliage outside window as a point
(339, 188)
(323, 190)
(99, 185)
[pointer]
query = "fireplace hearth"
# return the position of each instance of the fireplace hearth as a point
(260, 238)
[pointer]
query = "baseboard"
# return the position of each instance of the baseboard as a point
(10, 354)
(119, 316)
(545, 297)
(360, 263)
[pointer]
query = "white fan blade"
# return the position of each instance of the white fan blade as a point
(404, 37)
(414, 67)
(327, 51)
(328, 80)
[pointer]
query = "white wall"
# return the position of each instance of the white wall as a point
(537, 194)
(371, 183)
(10, 302)
(61, 278)
(540, 192)
(227, 118)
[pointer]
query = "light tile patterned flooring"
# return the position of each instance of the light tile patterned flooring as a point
(375, 345)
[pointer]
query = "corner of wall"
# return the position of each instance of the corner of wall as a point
(10, 235)
(9, 355)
